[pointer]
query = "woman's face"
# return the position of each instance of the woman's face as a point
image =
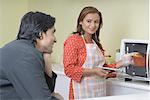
(90, 23)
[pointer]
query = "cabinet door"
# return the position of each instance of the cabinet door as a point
(113, 88)
(62, 85)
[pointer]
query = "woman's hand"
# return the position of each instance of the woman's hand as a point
(57, 95)
(95, 71)
(111, 74)
(127, 59)
(100, 72)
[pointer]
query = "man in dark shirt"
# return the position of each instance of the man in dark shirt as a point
(24, 72)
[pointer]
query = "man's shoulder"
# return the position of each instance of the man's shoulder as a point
(16, 45)
(20, 46)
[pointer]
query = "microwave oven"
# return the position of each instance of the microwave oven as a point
(141, 72)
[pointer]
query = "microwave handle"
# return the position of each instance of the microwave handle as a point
(147, 60)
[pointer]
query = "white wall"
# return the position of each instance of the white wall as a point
(122, 19)
(0, 20)
(149, 20)
(10, 15)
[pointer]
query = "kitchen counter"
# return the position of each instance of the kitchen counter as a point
(134, 84)
(138, 96)
(116, 88)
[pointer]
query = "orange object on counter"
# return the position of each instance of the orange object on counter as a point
(139, 60)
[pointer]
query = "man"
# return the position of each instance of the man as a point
(25, 72)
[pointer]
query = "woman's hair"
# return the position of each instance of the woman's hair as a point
(82, 15)
(32, 23)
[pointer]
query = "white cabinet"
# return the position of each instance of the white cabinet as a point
(114, 87)
(62, 85)
(123, 88)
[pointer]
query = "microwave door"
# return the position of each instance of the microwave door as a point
(139, 69)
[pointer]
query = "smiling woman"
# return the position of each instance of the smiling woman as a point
(84, 57)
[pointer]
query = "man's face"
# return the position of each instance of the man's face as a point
(47, 40)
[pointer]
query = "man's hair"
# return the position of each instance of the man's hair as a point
(32, 23)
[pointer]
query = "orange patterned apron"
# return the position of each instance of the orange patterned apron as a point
(91, 86)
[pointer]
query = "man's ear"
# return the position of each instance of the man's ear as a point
(41, 35)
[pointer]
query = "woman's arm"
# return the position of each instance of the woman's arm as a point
(71, 61)
(126, 59)
(94, 71)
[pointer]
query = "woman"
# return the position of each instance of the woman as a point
(84, 57)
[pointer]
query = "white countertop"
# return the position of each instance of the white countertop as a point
(140, 96)
(59, 69)
(130, 84)
(134, 84)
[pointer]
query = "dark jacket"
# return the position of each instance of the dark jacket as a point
(22, 74)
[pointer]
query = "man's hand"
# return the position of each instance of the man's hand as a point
(48, 67)
(57, 95)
